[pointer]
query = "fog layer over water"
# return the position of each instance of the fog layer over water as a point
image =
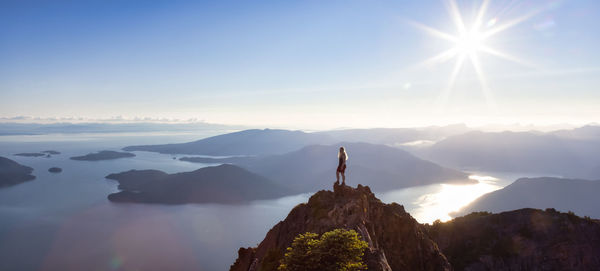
(64, 221)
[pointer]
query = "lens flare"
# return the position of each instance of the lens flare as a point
(468, 44)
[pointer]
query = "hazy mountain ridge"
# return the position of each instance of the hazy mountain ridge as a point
(552, 154)
(579, 196)
(277, 141)
(569, 153)
(219, 184)
(397, 136)
(585, 132)
(379, 166)
(523, 239)
(247, 142)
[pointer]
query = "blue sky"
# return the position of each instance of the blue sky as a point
(302, 64)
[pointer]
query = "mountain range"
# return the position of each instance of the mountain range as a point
(568, 153)
(571, 154)
(397, 136)
(379, 166)
(247, 142)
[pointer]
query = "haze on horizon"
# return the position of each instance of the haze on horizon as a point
(310, 64)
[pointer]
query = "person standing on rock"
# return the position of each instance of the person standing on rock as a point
(342, 157)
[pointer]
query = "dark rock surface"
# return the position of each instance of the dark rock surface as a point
(13, 173)
(103, 155)
(51, 152)
(220, 184)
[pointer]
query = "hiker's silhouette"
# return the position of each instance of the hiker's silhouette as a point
(342, 157)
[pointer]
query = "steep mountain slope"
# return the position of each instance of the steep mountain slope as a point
(313, 167)
(396, 241)
(525, 239)
(247, 142)
(579, 196)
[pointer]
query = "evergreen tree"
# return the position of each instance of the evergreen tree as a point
(337, 250)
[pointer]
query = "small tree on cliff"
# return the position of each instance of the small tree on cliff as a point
(337, 250)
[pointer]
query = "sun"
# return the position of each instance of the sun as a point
(468, 43)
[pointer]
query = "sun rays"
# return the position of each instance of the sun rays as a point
(468, 43)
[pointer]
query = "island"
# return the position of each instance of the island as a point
(38, 154)
(13, 173)
(55, 170)
(219, 184)
(30, 154)
(103, 155)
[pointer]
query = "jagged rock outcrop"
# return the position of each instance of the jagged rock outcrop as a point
(525, 239)
(396, 240)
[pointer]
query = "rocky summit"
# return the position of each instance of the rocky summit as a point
(396, 240)
(525, 239)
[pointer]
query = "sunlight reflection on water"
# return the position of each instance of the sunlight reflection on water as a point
(439, 201)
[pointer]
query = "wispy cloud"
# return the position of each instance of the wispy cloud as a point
(114, 119)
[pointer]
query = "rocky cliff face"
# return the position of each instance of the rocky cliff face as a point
(526, 239)
(396, 240)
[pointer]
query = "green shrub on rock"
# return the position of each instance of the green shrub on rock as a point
(337, 250)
